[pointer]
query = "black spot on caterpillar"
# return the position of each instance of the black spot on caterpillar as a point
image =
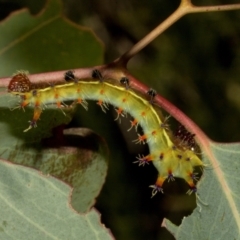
(125, 81)
(69, 76)
(97, 75)
(152, 93)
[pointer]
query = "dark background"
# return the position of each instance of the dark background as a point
(195, 64)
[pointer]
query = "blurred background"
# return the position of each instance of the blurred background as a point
(195, 64)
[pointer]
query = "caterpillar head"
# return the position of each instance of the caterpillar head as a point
(19, 83)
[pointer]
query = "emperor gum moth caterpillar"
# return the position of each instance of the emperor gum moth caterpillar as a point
(171, 159)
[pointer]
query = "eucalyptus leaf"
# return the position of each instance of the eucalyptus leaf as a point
(34, 206)
(218, 213)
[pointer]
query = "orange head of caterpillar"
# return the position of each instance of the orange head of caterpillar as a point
(19, 83)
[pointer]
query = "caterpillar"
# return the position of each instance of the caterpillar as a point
(171, 158)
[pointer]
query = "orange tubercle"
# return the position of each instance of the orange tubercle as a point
(59, 104)
(103, 105)
(120, 112)
(157, 187)
(24, 104)
(99, 102)
(37, 114)
(124, 100)
(160, 181)
(143, 114)
(37, 104)
(134, 123)
(141, 139)
(56, 95)
(79, 101)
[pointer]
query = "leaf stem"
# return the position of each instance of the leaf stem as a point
(184, 8)
(150, 37)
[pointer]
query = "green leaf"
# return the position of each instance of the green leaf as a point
(46, 42)
(34, 206)
(218, 211)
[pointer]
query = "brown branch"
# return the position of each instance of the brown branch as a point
(228, 7)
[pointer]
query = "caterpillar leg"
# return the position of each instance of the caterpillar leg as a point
(157, 187)
(36, 116)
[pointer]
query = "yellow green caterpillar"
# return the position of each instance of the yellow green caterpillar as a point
(170, 159)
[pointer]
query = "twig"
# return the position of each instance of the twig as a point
(184, 8)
